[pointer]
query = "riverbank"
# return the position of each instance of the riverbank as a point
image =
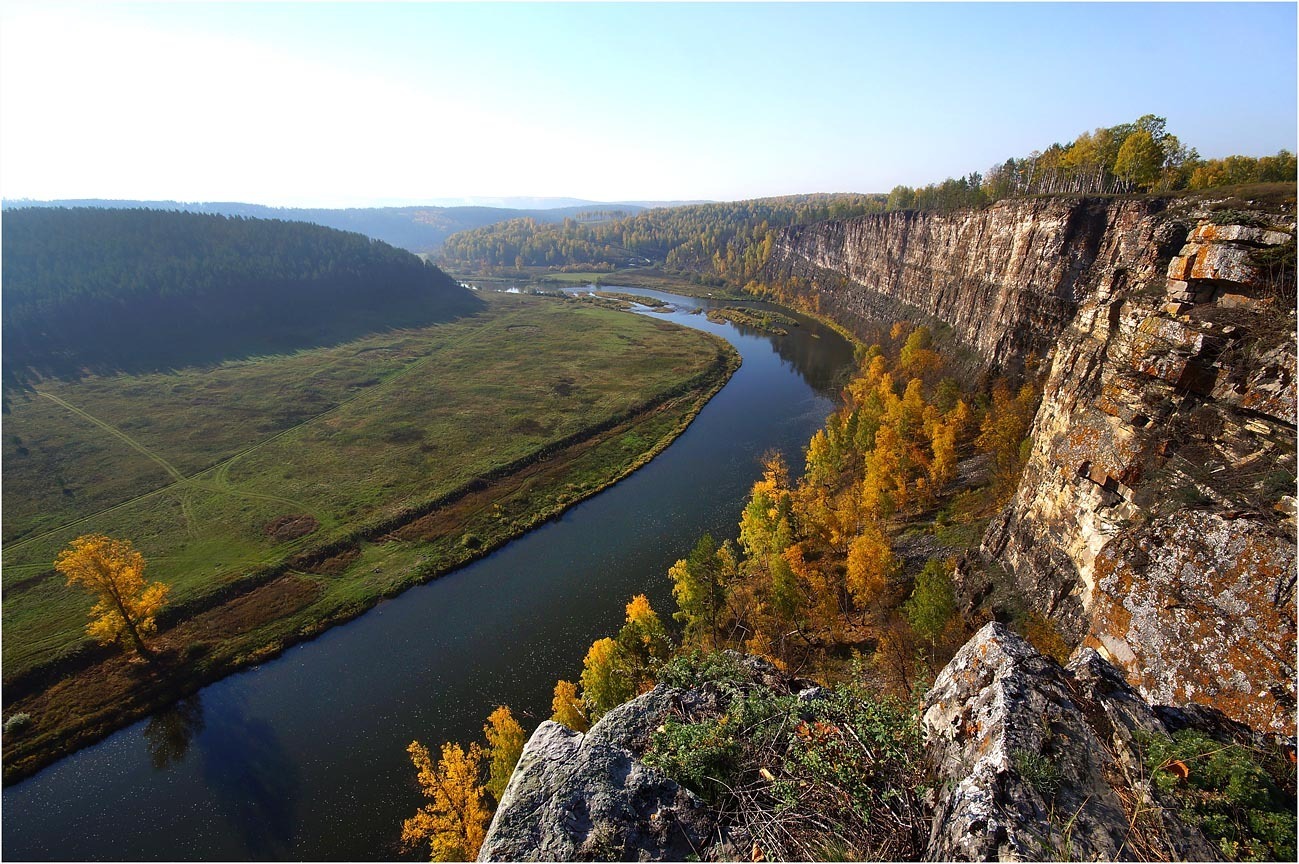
(265, 764)
(88, 694)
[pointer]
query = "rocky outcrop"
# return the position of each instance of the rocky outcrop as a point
(1008, 279)
(1039, 762)
(577, 797)
(1155, 519)
(1027, 760)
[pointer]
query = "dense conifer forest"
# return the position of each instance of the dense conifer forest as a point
(144, 289)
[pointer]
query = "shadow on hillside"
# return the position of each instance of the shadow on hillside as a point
(172, 334)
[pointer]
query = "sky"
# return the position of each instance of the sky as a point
(365, 104)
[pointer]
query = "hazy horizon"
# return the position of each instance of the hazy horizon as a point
(506, 202)
(345, 105)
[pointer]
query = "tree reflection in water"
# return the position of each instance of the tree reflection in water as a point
(169, 732)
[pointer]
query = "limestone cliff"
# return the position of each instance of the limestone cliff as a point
(1151, 519)
(1008, 279)
(1154, 521)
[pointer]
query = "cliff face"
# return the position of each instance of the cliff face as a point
(1151, 519)
(1154, 521)
(1008, 279)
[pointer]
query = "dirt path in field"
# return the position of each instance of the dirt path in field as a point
(219, 479)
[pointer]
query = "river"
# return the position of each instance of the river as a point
(304, 756)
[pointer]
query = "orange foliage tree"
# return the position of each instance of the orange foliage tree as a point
(455, 819)
(113, 571)
(568, 708)
(1004, 434)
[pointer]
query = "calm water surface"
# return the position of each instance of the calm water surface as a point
(304, 757)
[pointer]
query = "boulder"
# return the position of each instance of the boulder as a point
(1040, 762)
(577, 797)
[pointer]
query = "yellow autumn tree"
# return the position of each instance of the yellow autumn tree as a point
(887, 487)
(820, 584)
(871, 564)
(824, 460)
(113, 571)
(942, 470)
(917, 357)
(455, 820)
(504, 746)
(1004, 432)
(765, 527)
(605, 683)
(961, 419)
(568, 708)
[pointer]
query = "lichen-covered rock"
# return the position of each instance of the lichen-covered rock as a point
(1003, 730)
(1038, 760)
(577, 797)
(1198, 608)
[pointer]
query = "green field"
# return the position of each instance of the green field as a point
(320, 481)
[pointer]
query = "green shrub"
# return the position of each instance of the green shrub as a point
(16, 723)
(1240, 798)
(720, 668)
(700, 756)
(843, 764)
(1038, 771)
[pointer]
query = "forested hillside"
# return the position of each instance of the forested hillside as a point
(416, 229)
(144, 289)
(725, 239)
(1141, 156)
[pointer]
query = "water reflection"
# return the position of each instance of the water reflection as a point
(255, 783)
(169, 733)
(816, 352)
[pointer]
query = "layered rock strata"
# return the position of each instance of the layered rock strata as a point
(1153, 519)
(1008, 279)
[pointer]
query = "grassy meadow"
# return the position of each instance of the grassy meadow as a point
(281, 494)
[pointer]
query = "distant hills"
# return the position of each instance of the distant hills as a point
(419, 229)
(525, 203)
(141, 289)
